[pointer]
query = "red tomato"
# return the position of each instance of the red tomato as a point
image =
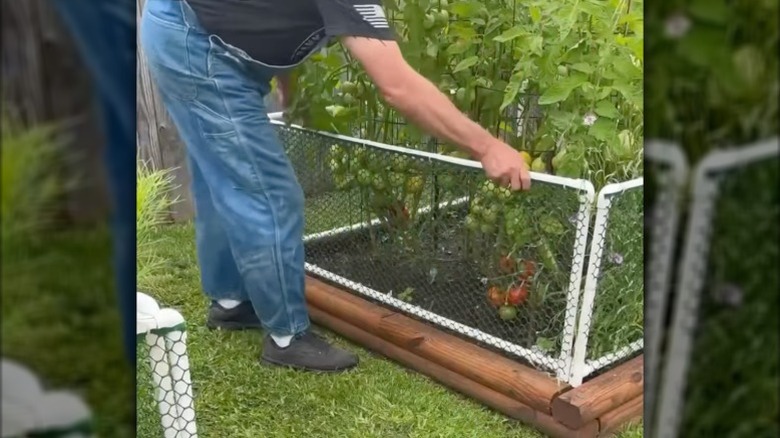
(517, 295)
(529, 269)
(507, 264)
(496, 296)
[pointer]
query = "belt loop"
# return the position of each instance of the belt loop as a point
(188, 15)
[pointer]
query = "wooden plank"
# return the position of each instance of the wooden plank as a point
(613, 421)
(600, 395)
(495, 400)
(514, 380)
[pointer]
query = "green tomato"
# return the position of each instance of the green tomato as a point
(397, 179)
(378, 182)
(363, 177)
(485, 228)
(414, 185)
(472, 223)
(563, 70)
(443, 17)
(446, 181)
(490, 215)
(504, 194)
(507, 313)
(538, 165)
(348, 87)
(348, 99)
(460, 94)
(490, 189)
(429, 21)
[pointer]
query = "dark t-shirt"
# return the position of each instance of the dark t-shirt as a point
(284, 32)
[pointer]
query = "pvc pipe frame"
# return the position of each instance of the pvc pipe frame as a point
(570, 366)
(664, 229)
(692, 272)
(580, 366)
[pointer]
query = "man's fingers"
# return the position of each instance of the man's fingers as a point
(515, 180)
(525, 179)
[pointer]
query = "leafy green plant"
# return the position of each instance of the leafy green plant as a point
(31, 186)
(715, 69)
(562, 82)
(153, 203)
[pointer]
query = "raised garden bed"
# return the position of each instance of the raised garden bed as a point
(598, 408)
(426, 236)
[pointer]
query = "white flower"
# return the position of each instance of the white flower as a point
(729, 295)
(616, 258)
(677, 26)
(589, 119)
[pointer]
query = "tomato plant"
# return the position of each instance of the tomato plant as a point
(561, 82)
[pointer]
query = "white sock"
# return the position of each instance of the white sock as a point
(282, 341)
(229, 304)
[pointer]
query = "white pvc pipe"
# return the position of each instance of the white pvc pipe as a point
(578, 184)
(663, 233)
(692, 272)
(579, 369)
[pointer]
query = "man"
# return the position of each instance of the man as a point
(212, 61)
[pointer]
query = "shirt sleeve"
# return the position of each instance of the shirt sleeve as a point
(360, 18)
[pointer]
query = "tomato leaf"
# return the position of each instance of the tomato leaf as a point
(535, 13)
(510, 93)
(582, 67)
(467, 9)
(603, 130)
(510, 34)
(466, 63)
(605, 108)
(561, 90)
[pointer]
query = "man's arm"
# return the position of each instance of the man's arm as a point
(423, 104)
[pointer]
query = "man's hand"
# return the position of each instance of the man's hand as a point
(506, 166)
(423, 104)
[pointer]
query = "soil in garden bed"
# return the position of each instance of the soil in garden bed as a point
(442, 277)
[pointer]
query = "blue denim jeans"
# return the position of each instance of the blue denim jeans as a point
(105, 32)
(248, 202)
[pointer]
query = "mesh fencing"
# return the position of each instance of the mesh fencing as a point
(611, 323)
(724, 335)
(433, 238)
(164, 383)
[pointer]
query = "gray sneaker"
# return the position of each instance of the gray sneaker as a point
(241, 317)
(309, 352)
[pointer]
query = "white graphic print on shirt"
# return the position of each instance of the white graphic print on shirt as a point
(374, 15)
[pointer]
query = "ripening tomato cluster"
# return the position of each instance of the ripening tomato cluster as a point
(507, 301)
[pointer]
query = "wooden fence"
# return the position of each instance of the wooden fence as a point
(44, 81)
(159, 145)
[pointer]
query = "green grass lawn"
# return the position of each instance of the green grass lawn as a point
(238, 397)
(60, 318)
